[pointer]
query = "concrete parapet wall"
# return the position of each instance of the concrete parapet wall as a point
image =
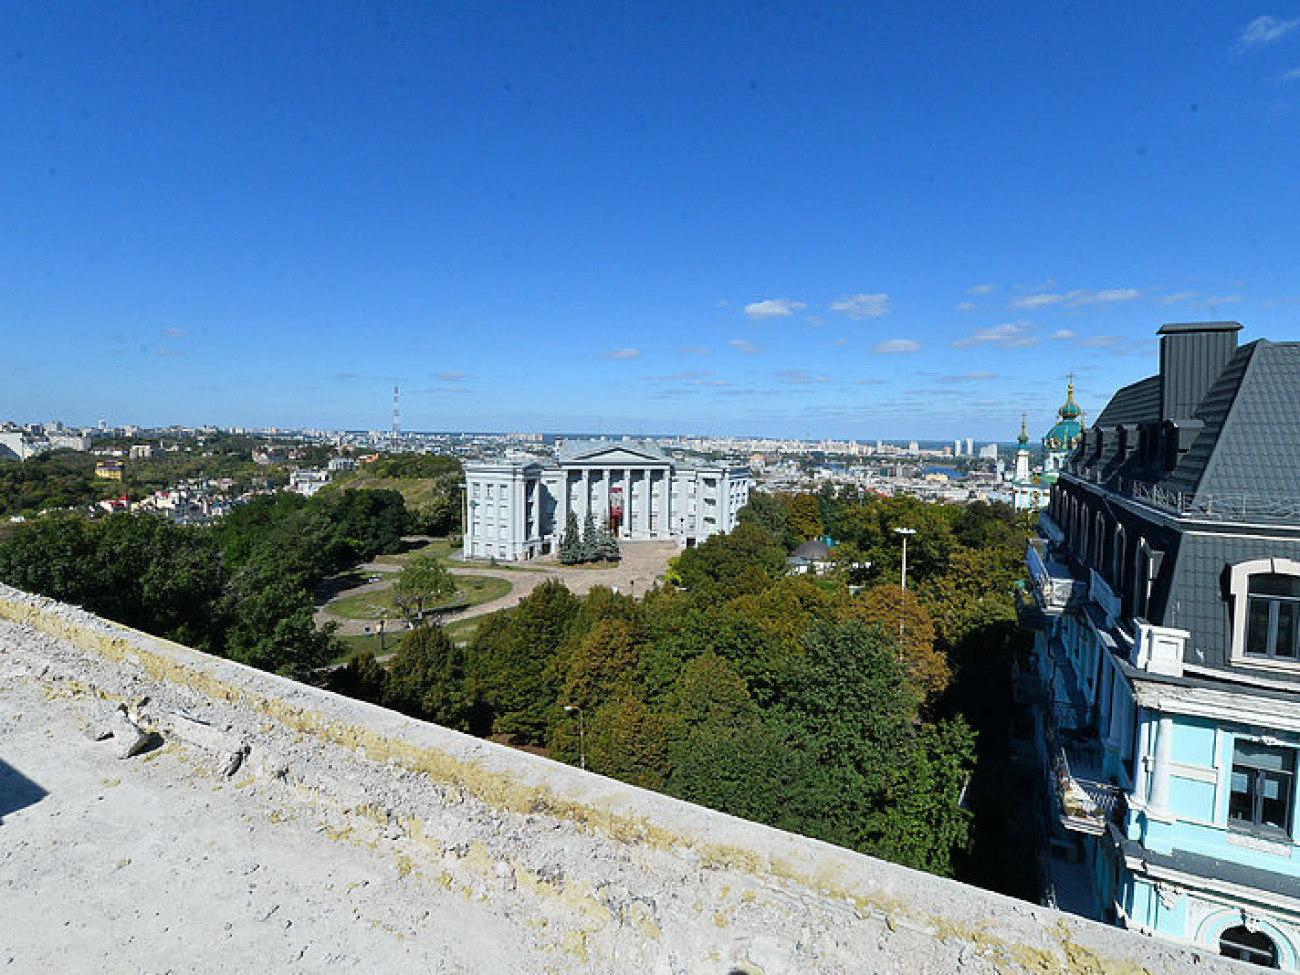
(590, 874)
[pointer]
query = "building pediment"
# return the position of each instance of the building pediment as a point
(616, 455)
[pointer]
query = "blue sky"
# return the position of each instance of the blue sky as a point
(850, 220)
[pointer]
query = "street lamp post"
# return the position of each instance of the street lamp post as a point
(582, 735)
(902, 595)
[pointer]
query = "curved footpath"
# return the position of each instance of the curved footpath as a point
(643, 563)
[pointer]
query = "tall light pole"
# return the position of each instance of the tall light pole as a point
(582, 735)
(902, 595)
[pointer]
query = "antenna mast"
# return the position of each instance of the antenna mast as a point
(397, 422)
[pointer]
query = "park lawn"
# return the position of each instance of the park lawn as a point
(481, 589)
(377, 603)
(443, 548)
(370, 605)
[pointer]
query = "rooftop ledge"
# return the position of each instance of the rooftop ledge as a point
(271, 825)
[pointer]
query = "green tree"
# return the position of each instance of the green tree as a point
(628, 741)
(426, 678)
(570, 551)
(421, 583)
(925, 825)
(770, 513)
(607, 544)
(513, 661)
(590, 539)
(710, 571)
(886, 605)
(805, 516)
(848, 694)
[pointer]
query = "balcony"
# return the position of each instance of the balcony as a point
(1054, 587)
(1084, 803)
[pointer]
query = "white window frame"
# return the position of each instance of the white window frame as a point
(1239, 589)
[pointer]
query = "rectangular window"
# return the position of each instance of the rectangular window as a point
(1273, 617)
(1262, 789)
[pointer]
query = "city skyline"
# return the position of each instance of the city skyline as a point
(793, 222)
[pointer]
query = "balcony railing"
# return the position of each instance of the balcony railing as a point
(1052, 582)
(1086, 805)
(1241, 507)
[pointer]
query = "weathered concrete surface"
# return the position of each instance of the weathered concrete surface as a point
(351, 838)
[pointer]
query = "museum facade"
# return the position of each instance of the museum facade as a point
(517, 509)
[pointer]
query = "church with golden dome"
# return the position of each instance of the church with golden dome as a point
(1030, 489)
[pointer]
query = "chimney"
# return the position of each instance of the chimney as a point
(1192, 354)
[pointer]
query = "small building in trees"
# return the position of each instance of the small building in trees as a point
(517, 509)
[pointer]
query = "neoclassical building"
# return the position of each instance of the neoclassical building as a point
(517, 509)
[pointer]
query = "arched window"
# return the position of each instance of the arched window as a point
(1244, 944)
(1117, 560)
(1099, 542)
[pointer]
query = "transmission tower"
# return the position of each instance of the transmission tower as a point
(397, 422)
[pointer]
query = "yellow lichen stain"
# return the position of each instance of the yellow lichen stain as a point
(109, 783)
(575, 943)
(720, 919)
(124, 862)
(641, 918)
(405, 865)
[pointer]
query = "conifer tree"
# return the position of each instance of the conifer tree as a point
(590, 540)
(570, 550)
(607, 544)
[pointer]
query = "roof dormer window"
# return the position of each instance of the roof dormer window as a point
(1266, 614)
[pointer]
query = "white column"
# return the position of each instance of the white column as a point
(1159, 802)
(586, 496)
(1115, 718)
(627, 500)
(1142, 760)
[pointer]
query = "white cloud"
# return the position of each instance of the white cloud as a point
(895, 347)
(1193, 299)
(695, 350)
(862, 306)
(1265, 30)
(1292, 75)
(842, 341)
(802, 377)
(448, 376)
(968, 377)
(967, 306)
(981, 289)
(1012, 335)
(773, 308)
(745, 346)
(1075, 298)
(1063, 335)
(173, 333)
(689, 377)
(621, 354)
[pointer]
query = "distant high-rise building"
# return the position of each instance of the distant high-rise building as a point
(970, 446)
(956, 447)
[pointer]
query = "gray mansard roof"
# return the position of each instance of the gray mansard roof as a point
(1240, 446)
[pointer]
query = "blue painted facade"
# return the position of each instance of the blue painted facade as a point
(1166, 669)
